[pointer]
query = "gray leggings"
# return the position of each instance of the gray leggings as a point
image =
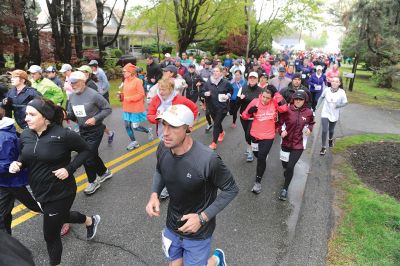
(326, 124)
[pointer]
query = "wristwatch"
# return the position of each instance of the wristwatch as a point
(202, 220)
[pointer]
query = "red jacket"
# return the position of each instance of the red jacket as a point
(295, 120)
(178, 99)
(263, 126)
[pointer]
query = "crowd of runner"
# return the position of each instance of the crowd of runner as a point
(272, 95)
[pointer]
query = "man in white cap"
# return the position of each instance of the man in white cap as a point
(167, 61)
(193, 181)
(88, 108)
(45, 86)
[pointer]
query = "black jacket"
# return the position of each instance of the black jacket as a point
(153, 72)
(251, 93)
(289, 91)
(48, 152)
(192, 91)
(223, 87)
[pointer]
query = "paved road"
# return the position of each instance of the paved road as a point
(253, 230)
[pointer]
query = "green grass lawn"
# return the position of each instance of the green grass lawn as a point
(366, 92)
(368, 232)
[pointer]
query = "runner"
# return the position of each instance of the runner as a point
(193, 182)
(333, 98)
(294, 126)
(217, 92)
(133, 106)
(88, 108)
(264, 110)
(238, 85)
(51, 171)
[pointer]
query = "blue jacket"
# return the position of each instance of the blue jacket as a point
(9, 152)
(315, 81)
(20, 101)
(236, 87)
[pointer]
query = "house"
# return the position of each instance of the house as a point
(292, 42)
(89, 15)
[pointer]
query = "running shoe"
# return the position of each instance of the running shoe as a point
(219, 253)
(164, 193)
(331, 143)
(64, 229)
(133, 145)
(208, 128)
(213, 146)
(150, 136)
(91, 188)
(249, 157)
(221, 136)
(323, 151)
(283, 195)
(111, 137)
(256, 188)
(92, 229)
(104, 177)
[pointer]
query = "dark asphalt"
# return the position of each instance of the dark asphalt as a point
(253, 230)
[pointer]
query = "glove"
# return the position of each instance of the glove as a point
(252, 110)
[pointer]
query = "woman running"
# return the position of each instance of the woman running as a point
(46, 152)
(264, 110)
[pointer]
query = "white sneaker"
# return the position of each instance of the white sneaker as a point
(105, 176)
(132, 145)
(150, 136)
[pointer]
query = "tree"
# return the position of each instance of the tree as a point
(102, 22)
(78, 32)
(30, 11)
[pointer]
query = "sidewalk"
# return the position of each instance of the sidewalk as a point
(316, 218)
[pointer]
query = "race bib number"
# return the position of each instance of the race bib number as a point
(79, 110)
(318, 87)
(303, 76)
(222, 98)
(254, 146)
(284, 156)
(166, 243)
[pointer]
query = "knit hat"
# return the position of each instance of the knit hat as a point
(42, 107)
(130, 68)
(296, 76)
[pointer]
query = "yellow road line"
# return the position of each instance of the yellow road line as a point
(116, 169)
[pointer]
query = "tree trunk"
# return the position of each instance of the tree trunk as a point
(100, 28)
(246, 11)
(66, 31)
(78, 28)
(32, 32)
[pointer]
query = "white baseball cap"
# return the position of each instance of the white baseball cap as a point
(76, 76)
(178, 115)
(65, 68)
(167, 55)
(253, 74)
(35, 69)
(319, 67)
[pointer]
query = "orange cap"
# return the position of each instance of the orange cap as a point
(130, 68)
(19, 73)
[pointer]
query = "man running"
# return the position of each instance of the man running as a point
(193, 174)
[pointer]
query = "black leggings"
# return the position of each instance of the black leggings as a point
(246, 124)
(233, 110)
(289, 166)
(325, 125)
(264, 146)
(217, 117)
(7, 198)
(56, 213)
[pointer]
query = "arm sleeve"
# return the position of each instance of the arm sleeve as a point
(245, 114)
(70, 112)
(76, 143)
(320, 100)
(311, 121)
(152, 111)
(223, 179)
(104, 106)
(192, 107)
(158, 184)
(139, 95)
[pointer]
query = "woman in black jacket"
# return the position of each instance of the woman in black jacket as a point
(46, 151)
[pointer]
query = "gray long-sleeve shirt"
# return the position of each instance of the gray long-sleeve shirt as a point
(86, 105)
(192, 180)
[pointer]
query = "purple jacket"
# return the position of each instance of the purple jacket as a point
(315, 82)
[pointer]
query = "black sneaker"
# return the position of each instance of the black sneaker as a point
(283, 195)
(92, 229)
(323, 151)
(331, 143)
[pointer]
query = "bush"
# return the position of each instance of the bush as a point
(110, 63)
(386, 77)
(115, 52)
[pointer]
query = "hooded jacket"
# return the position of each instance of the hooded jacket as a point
(263, 126)
(215, 88)
(133, 95)
(294, 121)
(9, 152)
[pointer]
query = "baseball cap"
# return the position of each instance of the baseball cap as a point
(208, 62)
(299, 95)
(192, 66)
(35, 69)
(253, 74)
(93, 63)
(319, 67)
(65, 68)
(296, 76)
(171, 68)
(76, 76)
(85, 68)
(167, 55)
(177, 115)
(19, 73)
(51, 69)
(282, 69)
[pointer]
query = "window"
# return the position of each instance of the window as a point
(94, 41)
(87, 41)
